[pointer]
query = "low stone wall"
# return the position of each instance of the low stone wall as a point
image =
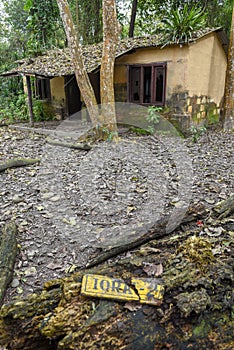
(186, 110)
(202, 109)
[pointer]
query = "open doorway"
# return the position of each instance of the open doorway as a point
(72, 91)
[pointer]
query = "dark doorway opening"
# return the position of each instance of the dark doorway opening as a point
(72, 92)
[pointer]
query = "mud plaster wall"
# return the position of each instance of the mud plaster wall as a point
(58, 97)
(207, 64)
(195, 78)
(177, 61)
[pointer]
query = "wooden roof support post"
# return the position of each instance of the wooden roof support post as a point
(30, 104)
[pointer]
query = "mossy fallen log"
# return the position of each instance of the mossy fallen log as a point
(17, 162)
(8, 251)
(195, 313)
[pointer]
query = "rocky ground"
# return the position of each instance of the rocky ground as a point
(75, 202)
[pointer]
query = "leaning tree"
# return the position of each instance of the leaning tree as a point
(107, 115)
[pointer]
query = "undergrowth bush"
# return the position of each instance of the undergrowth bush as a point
(13, 108)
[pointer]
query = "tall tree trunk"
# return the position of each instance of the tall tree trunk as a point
(78, 64)
(133, 18)
(110, 41)
(229, 86)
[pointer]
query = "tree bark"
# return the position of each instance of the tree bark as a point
(8, 251)
(110, 41)
(17, 162)
(82, 78)
(229, 85)
(133, 18)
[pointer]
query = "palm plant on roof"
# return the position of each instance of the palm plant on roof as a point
(179, 25)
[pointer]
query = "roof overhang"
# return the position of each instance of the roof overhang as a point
(58, 62)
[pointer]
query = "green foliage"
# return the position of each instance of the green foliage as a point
(42, 111)
(151, 13)
(197, 131)
(141, 131)
(15, 35)
(102, 132)
(44, 25)
(153, 117)
(153, 114)
(181, 23)
(87, 16)
(220, 14)
(13, 108)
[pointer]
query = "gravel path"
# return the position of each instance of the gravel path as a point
(63, 218)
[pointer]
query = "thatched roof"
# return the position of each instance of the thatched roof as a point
(58, 62)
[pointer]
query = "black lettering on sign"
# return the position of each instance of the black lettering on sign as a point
(116, 286)
(127, 289)
(95, 283)
(105, 285)
(151, 293)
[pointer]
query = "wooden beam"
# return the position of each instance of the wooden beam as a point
(30, 103)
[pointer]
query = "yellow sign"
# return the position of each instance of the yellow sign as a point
(147, 291)
(106, 287)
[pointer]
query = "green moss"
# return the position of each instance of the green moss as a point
(202, 329)
(212, 118)
(197, 250)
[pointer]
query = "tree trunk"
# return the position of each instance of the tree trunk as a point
(229, 85)
(8, 250)
(110, 40)
(133, 18)
(82, 78)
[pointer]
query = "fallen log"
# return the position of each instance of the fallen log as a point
(157, 231)
(224, 208)
(8, 251)
(17, 162)
(82, 146)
